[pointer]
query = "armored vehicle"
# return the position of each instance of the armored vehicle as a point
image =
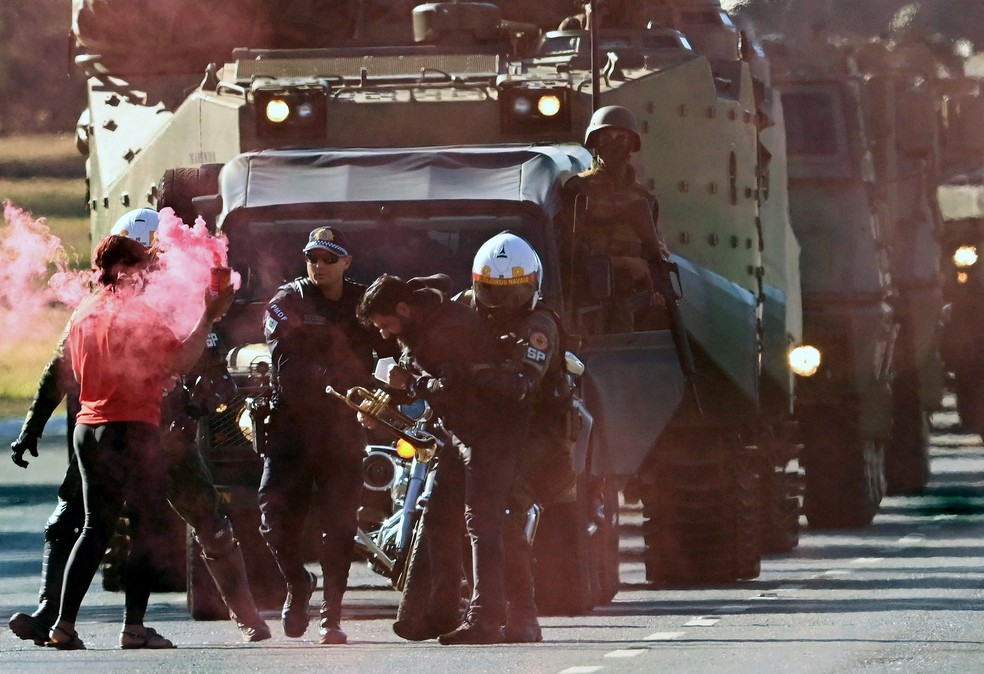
(422, 131)
(864, 153)
(961, 199)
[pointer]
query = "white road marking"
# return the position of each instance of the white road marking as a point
(664, 636)
(584, 669)
(868, 560)
(912, 539)
(837, 572)
(625, 653)
(731, 609)
(701, 622)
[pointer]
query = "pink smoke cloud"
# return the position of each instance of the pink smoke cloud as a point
(28, 253)
(185, 257)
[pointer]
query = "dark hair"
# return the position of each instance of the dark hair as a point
(382, 296)
(117, 249)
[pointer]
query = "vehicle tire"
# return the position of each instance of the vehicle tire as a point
(169, 564)
(179, 186)
(204, 600)
(565, 571)
(401, 569)
(781, 489)
(970, 402)
(845, 475)
(416, 585)
(907, 468)
(702, 521)
(605, 542)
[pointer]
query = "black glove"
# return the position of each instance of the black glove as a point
(24, 443)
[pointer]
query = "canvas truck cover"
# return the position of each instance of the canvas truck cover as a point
(516, 173)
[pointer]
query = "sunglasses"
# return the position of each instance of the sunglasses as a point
(326, 257)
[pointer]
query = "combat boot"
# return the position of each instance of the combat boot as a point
(229, 574)
(522, 629)
(473, 632)
(429, 626)
(330, 626)
(36, 626)
(295, 616)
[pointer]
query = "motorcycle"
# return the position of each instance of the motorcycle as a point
(396, 479)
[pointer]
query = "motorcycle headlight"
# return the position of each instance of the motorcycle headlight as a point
(965, 256)
(405, 450)
(804, 360)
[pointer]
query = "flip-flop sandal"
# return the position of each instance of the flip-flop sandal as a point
(145, 638)
(64, 640)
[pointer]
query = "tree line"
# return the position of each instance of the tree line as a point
(40, 89)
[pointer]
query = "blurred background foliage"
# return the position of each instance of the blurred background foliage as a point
(40, 90)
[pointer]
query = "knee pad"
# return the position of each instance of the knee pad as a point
(65, 522)
(222, 543)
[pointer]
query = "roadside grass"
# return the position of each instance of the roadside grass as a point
(24, 360)
(52, 155)
(43, 175)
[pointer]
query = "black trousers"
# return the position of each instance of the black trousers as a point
(190, 490)
(119, 462)
(303, 452)
(477, 478)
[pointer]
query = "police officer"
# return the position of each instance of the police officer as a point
(313, 439)
(506, 278)
(191, 491)
(453, 350)
(608, 212)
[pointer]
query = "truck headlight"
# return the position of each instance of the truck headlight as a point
(291, 116)
(965, 256)
(524, 109)
(277, 110)
(804, 360)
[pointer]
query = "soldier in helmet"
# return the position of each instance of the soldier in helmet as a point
(607, 212)
(191, 491)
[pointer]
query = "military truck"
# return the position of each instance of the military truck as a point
(961, 199)
(864, 153)
(475, 87)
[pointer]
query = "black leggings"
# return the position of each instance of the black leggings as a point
(120, 462)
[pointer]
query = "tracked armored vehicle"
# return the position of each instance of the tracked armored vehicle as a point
(403, 130)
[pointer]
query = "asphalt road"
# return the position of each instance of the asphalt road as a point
(902, 595)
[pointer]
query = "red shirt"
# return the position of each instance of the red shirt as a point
(118, 345)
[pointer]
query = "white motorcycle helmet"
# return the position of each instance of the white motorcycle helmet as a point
(139, 224)
(507, 273)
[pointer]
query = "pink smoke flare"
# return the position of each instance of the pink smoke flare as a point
(186, 255)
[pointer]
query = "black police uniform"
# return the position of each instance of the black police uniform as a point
(312, 438)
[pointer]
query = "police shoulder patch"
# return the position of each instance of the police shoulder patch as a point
(270, 325)
(539, 340)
